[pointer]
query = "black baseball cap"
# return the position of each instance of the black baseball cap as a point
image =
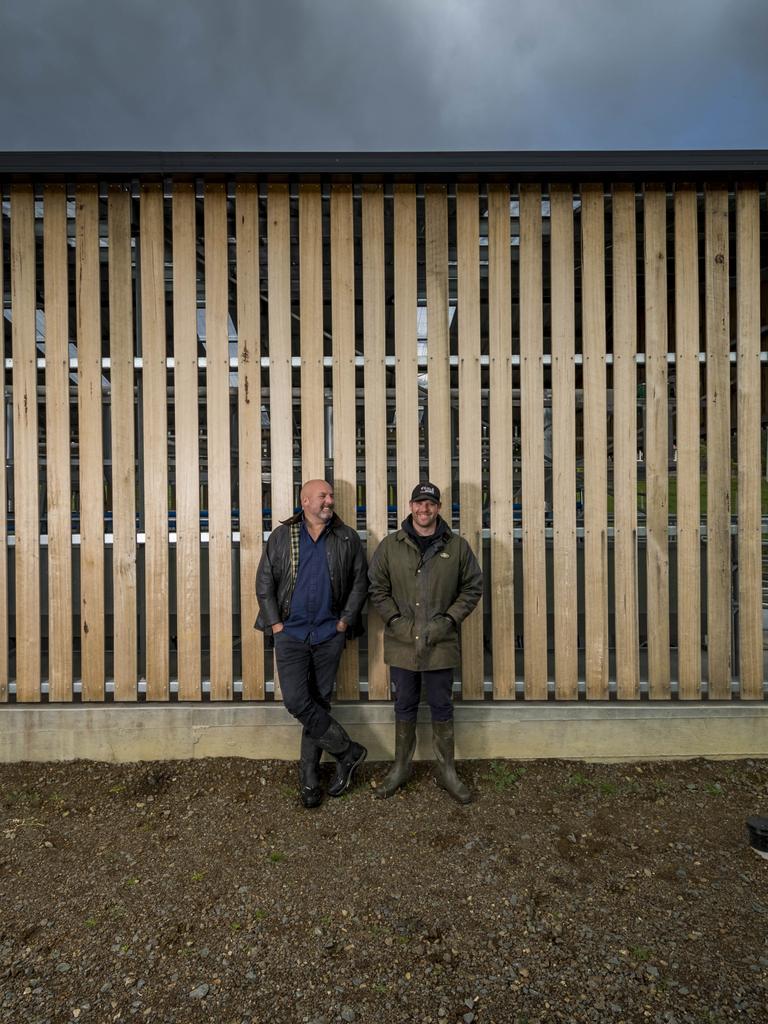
(426, 492)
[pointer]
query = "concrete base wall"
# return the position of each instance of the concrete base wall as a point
(590, 732)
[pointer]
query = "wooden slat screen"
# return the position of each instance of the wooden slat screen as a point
(579, 368)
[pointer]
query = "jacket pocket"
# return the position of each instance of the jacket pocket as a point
(401, 629)
(440, 628)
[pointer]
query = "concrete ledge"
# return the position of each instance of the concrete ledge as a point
(589, 732)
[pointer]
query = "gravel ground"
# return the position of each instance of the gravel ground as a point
(191, 891)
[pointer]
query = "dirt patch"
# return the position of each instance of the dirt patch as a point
(181, 892)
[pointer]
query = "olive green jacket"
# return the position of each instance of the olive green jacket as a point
(424, 598)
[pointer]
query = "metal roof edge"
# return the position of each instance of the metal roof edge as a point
(562, 165)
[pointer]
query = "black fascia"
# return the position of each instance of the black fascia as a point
(566, 166)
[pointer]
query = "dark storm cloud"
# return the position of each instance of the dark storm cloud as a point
(382, 74)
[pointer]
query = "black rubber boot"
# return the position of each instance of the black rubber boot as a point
(310, 791)
(442, 741)
(400, 772)
(349, 756)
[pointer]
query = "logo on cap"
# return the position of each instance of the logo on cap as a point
(426, 492)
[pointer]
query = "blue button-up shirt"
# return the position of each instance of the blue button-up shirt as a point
(311, 616)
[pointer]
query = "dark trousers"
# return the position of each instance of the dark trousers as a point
(307, 674)
(438, 686)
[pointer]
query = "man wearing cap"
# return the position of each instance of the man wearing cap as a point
(311, 584)
(424, 581)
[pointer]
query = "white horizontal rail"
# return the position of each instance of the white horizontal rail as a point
(328, 362)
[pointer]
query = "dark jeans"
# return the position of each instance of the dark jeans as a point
(438, 685)
(307, 674)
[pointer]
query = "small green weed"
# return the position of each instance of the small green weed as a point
(640, 953)
(91, 922)
(197, 876)
(502, 777)
(276, 856)
(603, 786)
(608, 788)
(714, 789)
(579, 781)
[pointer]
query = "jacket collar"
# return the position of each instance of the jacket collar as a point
(441, 534)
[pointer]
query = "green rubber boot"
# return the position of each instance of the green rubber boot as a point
(400, 772)
(442, 742)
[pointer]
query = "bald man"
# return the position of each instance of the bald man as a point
(311, 584)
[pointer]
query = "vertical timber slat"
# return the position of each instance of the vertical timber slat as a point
(406, 368)
(595, 443)
(280, 399)
(155, 454)
(374, 339)
(718, 447)
(90, 443)
(57, 453)
(532, 440)
(249, 439)
(625, 443)
(657, 442)
(188, 624)
(563, 444)
(311, 308)
(688, 440)
(3, 517)
(500, 417)
(750, 666)
(25, 459)
(280, 382)
(438, 342)
(344, 401)
(219, 469)
(123, 446)
(470, 439)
